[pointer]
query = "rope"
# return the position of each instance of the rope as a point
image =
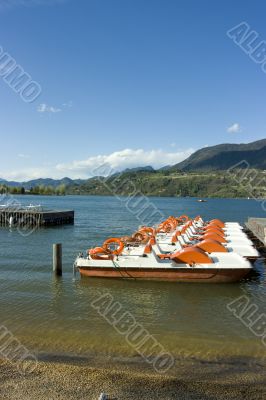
(118, 268)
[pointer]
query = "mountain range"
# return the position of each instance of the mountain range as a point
(41, 181)
(213, 158)
(224, 156)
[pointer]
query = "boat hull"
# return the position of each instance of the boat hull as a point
(210, 275)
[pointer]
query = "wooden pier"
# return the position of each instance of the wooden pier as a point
(257, 226)
(34, 217)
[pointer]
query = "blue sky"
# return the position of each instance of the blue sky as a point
(128, 82)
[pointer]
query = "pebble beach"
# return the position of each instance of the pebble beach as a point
(68, 379)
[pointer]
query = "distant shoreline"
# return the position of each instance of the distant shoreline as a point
(149, 196)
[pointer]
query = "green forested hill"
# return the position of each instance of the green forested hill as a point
(179, 184)
(239, 183)
(224, 156)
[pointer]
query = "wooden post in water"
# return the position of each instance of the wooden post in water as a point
(57, 259)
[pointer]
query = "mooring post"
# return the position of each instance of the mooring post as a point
(57, 259)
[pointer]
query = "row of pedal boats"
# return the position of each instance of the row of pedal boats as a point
(179, 249)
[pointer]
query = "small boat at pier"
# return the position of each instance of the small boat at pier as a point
(179, 249)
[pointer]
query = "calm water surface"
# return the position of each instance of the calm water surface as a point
(54, 315)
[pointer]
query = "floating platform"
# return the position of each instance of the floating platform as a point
(257, 226)
(34, 216)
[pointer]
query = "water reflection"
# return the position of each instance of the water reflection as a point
(54, 315)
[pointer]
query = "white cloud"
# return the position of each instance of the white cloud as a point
(235, 128)
(117, 161)
(123, 159)
(42, 108)
(69, 104)
(25, 174)
(21, 155)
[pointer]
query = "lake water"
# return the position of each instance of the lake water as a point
(52, 315)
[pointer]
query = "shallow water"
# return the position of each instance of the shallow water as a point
(52, 315)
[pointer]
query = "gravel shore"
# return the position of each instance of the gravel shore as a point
(63, 378)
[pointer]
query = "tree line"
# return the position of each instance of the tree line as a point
(49, 190)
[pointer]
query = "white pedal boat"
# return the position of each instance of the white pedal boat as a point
(178, 249)
(232, 244)
(243, 250)
(187, 265)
